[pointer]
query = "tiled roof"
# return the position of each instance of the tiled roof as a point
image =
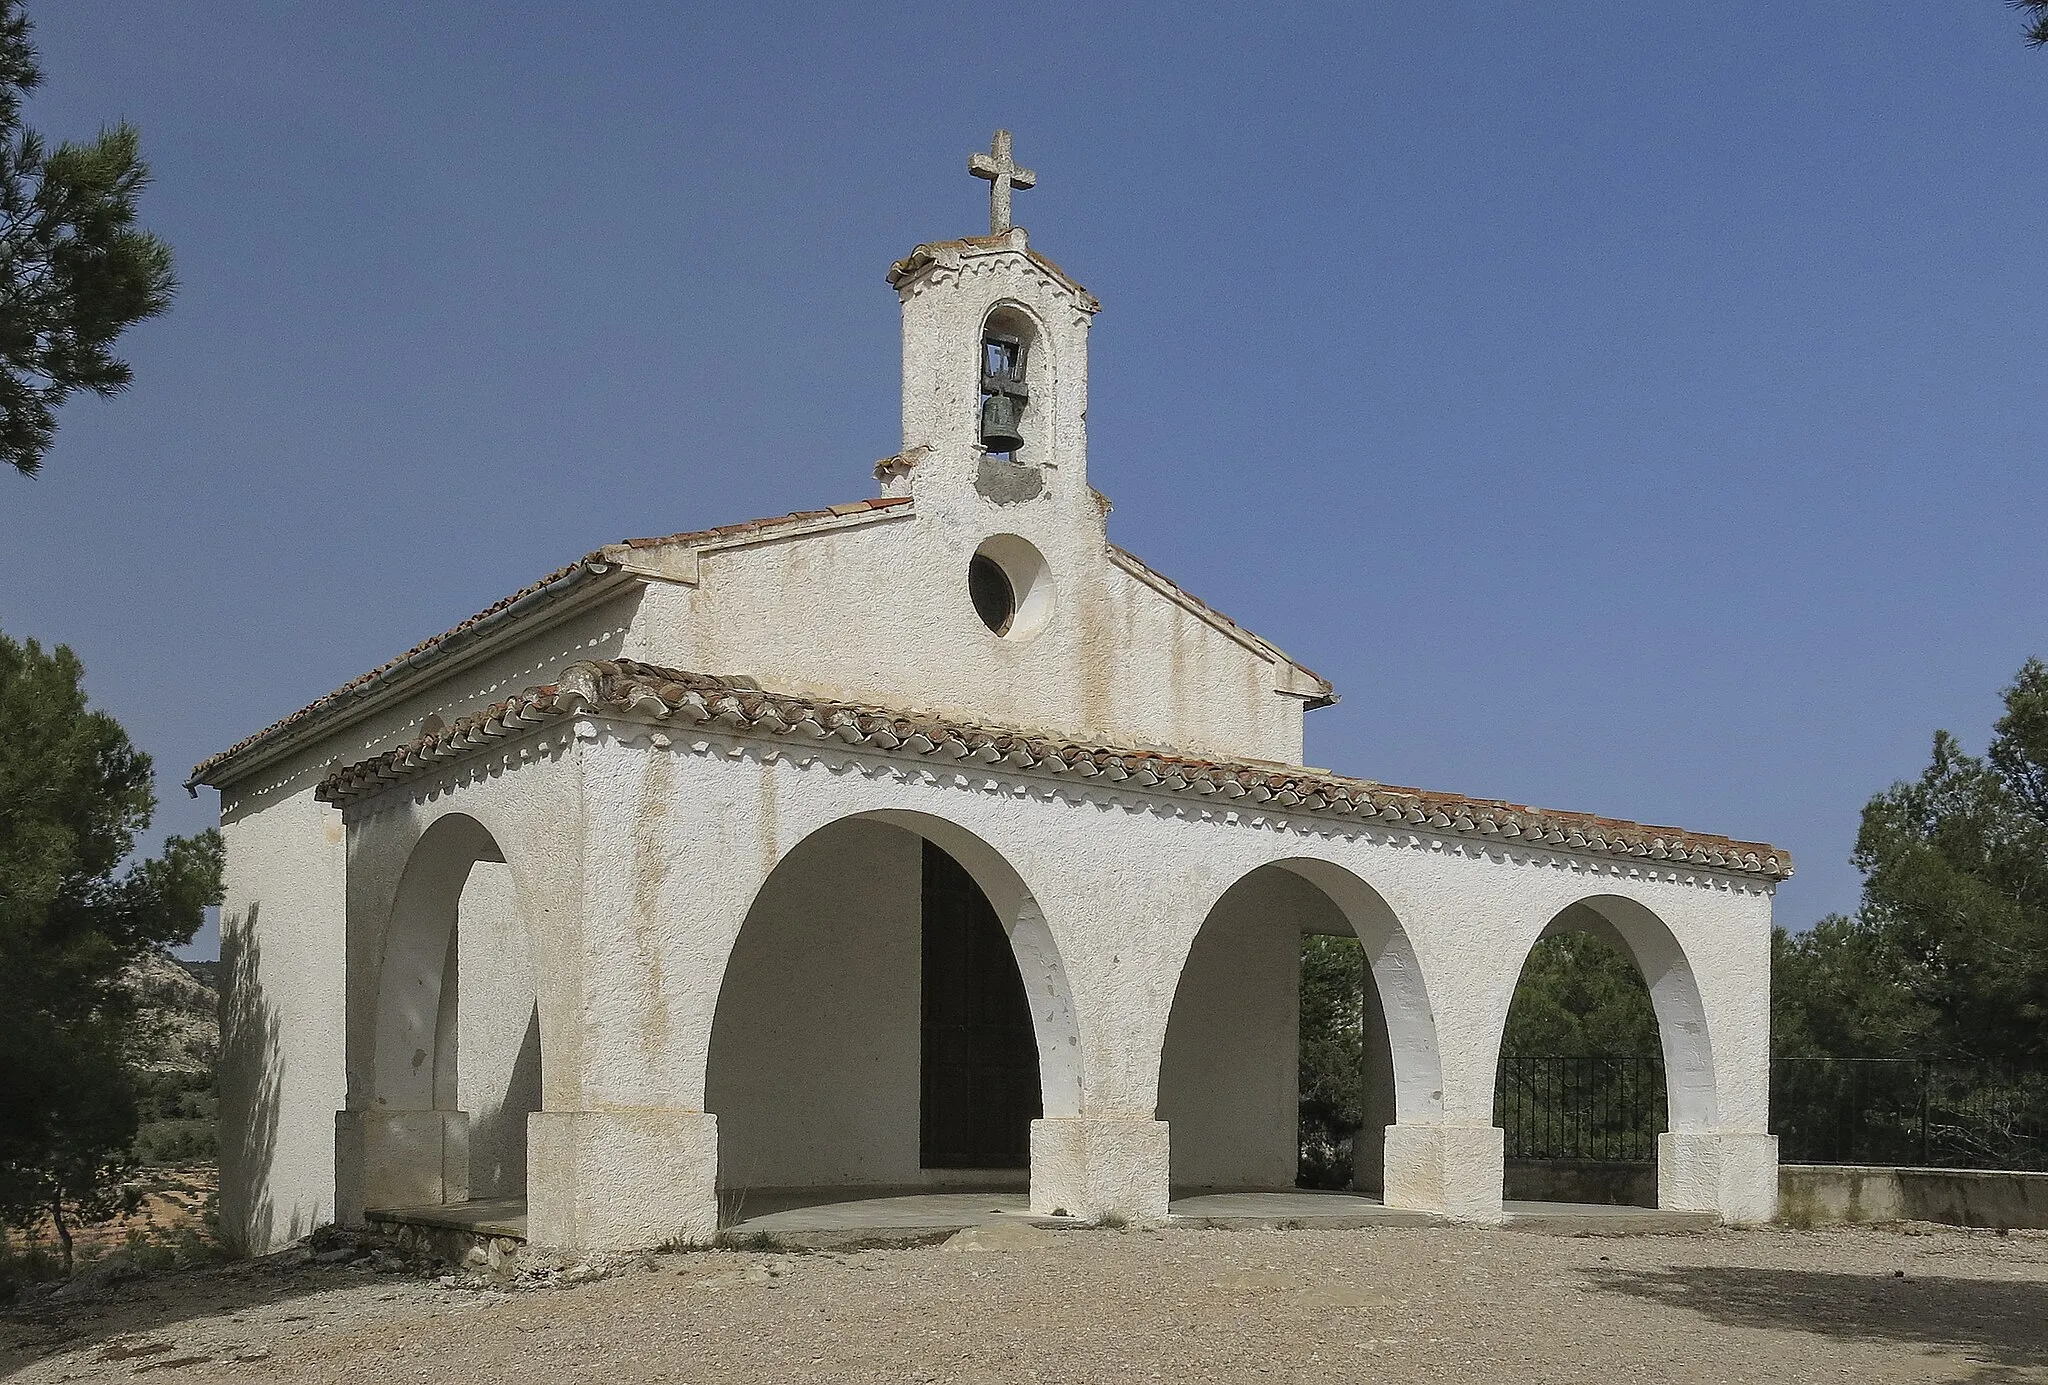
(597, 563)
(769, 526)
(203, 772)
(736, 706)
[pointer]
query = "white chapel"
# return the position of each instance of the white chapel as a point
(927, 841)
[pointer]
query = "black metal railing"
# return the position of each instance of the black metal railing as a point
(1908, 1111)
(1606, 1109)
(1905, 1112)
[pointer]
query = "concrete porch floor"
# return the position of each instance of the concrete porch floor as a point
(825, 1217)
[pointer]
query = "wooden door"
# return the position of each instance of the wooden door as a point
(980, 1068)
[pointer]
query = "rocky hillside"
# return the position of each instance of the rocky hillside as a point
(179, 1028)
(177, 1044)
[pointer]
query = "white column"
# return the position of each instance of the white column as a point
(621, 1179)
(1452, 1170)
(1099, 1168)
(1731, 1173)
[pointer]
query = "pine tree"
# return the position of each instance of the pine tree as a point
(74, 795)
(2036, 12)
(75, 270)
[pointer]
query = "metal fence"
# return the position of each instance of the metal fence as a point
(1609, 1109)
(1910, 1112)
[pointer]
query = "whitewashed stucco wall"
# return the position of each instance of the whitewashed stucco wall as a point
(498, 1053)
(814, 1070)
(1117, 662)
(283, 916)
(1230, 1070)
(635, 852)
(1464, 914)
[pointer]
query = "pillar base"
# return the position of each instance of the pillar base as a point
(1452, 1170)
(1732, 1173)
(1098, 1168)
(398, 1159)
(627, 1179)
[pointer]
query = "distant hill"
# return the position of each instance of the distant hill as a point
(179, 1029)
(176, 1048)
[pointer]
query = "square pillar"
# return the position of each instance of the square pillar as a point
(1452, 1170)
(1732, 1173)
(1094, 1167)
(628, 1179)
(385, 1159)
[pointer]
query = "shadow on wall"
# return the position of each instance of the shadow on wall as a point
(497, 1133)
(2004, 1326)
(251, 1077)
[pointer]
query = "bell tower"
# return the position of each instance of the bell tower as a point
(995, 364)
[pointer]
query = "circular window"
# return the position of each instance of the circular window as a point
(989, 588)
(1010, 587)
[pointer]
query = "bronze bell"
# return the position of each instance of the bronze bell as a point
(999, 417)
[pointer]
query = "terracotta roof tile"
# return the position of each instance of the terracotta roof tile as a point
(740, 708)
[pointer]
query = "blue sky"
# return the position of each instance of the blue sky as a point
(1633, 408)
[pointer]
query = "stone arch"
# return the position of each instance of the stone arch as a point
(456, 1055)
(1674, 994)
(1404, 1069)
(1010, 318)
(833, 935)
(1691, 1103)
(1044, 970)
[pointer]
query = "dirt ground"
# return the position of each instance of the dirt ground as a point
(1015, 1304)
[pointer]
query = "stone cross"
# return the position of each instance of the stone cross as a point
(1003, 174)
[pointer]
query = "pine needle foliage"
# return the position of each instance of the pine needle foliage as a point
(74, 796)
(1955, 886)
(1580, 995)
(75, 269)
(2036, 12)
(1948, 956)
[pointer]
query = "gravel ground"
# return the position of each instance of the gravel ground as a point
(1015, 1304)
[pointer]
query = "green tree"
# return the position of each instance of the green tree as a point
(1839, 990)
(74, 795)
(75, 270)
(1955, 893)
(1333, 981)
(1580, 995)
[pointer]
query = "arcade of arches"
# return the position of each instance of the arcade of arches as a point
(891, 1015)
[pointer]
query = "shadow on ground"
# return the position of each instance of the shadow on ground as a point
(124, 1311)
(2001, 1326)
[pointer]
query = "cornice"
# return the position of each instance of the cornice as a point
(734, 707)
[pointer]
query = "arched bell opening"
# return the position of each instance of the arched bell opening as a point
(1009, 419)
(1605, 1048)
(457, 1060)
(1299, 1032)
(892, 1018)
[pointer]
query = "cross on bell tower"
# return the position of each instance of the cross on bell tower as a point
(1003, 174)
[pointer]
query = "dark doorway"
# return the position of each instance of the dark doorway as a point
(980, 1057)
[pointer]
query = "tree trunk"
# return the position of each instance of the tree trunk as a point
(63, 1232)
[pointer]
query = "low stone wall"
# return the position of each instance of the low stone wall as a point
(1826, 1194)
(1598, 1182)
